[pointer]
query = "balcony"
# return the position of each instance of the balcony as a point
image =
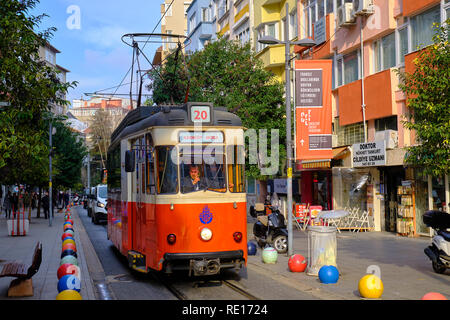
(379, 90)
(204, 30)
(272, 56)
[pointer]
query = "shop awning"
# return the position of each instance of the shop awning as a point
(340, 152)
(313, 164)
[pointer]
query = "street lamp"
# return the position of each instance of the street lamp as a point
(305, 43)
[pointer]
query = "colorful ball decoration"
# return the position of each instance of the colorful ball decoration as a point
(71, 232)
(370, 287)
(70, 221)
(69, 282)
(433, 296)
(251, 248)
(70, 260)
(328, 274)
(68, 226)
(69, 246)
(66, 230)
(297, 263)
(68, 252)
(68, 269)
(69, 295)
(269, 255)
(66, 241)
(66, 235)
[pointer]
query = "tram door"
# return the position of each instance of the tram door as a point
(140, 198)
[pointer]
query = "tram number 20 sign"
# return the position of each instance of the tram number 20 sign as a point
(200, 114)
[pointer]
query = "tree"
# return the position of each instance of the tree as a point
(102, 127)
(69, 151)
(27, 86)
(428, 100)
(227, 74)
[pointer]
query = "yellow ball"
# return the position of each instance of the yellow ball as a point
(370, 287)
(68, 241)
(69, 295)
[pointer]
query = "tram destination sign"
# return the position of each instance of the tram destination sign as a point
(369, 154)
(201, 137)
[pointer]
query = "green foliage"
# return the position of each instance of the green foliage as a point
(228, 75)
(28, 85)
(69, 151)
(428, 100)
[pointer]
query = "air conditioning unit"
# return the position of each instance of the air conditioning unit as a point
(390, 136)
(363, 7)
(345, 15)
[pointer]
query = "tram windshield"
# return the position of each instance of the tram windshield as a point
(201, 172)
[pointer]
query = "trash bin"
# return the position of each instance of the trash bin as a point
(321, 248)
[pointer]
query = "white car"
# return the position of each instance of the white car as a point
(97, 203)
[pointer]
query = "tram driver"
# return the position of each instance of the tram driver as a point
(194, 182)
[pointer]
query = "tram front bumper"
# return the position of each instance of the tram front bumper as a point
(203, 263)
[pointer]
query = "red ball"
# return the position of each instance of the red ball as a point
(69, 246)
(68, 269)
(433, 296)
(70, 221)
(65, 235)
(297, 263)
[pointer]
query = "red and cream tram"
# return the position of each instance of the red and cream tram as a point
(176, 189)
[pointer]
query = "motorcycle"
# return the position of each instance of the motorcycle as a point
(439, 251)
(270, 229)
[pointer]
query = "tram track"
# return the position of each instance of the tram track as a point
(180, 295)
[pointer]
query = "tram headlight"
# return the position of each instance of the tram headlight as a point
(237, 236)
(171, 238)
(206, 234)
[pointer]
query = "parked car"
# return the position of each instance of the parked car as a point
(97, 203)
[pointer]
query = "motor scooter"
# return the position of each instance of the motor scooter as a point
(439, 251)
(270, 229)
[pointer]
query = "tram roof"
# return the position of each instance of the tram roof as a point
(170, 116)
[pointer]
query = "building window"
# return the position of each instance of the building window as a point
(389, 123)
(403, 44)
(50, 56)
(293, 29)
(422, 27)
(348, 70)
(350, 134)
(168, 9)
(384, 53)
(205, 15)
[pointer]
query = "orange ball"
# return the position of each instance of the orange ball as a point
(69, 246)
(433, 296)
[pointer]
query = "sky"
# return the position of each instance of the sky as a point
(89, 36)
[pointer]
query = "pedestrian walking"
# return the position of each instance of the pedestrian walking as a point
(46, 205)
(15, 202)
(27, 203)
(7, 204)
(66, 199)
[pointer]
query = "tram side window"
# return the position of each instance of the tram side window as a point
(150, 176)
(236, 164)
(142, 159)
(113, 167)
(167, 173)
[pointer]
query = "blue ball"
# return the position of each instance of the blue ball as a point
(328, 274)
(69, 282)
(69, 252)
(251, 248)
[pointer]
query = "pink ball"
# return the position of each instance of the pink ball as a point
(433, 296)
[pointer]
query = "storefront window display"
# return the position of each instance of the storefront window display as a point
(438, 193)
(421, 198)
(350, 188)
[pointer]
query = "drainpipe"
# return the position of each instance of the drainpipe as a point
(363, 102)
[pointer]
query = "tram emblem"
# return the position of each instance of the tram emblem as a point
(206, 215)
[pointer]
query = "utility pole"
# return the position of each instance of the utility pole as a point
(50, 187)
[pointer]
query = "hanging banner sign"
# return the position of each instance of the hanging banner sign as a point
(313, 111)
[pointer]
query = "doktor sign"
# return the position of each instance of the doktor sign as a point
(313, 110)
(369, 154)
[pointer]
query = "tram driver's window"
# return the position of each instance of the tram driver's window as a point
(167, 174)
(236, 165)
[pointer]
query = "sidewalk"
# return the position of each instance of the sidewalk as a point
(405, 270)
(20, 248)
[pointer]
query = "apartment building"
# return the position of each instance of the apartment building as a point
(174, 21)
(48, 54)
(367, 41)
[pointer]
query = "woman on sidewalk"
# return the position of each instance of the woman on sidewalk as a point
(7, 204)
